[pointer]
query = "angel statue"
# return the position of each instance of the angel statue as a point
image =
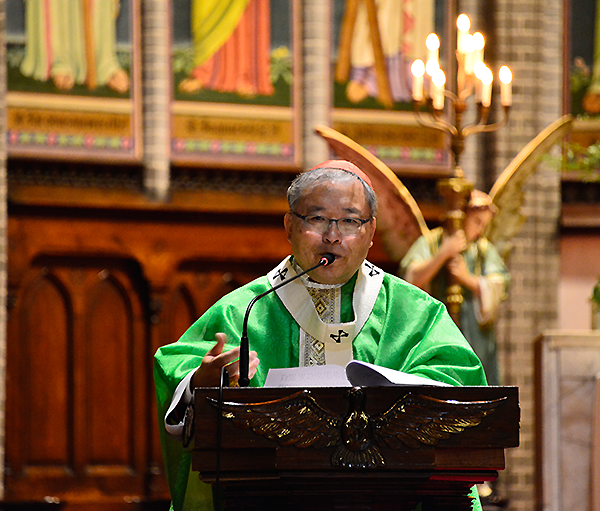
(473, 262)
(474, 256)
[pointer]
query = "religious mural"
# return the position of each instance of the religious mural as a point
(374, 45)
(233, 86)
(72, 78)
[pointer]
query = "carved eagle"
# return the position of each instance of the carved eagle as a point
(412, 421)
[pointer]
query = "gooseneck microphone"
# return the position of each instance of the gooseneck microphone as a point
(244, 380)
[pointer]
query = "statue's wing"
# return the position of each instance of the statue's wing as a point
(507, 192)
(297, 419)
(399, 219)
(417, 420)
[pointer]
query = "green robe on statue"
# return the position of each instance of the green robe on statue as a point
(405, 329)
(477, 316)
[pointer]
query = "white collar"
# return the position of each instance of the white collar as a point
(337, 337)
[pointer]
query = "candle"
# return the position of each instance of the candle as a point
(438, 81)
(432, 66)
(486, 87)
(479, 70)
(505, 76)
(478, 46)
(469, 53)
(418, 70)
(432, 43)
(463, 23)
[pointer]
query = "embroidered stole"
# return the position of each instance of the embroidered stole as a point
(317, 310)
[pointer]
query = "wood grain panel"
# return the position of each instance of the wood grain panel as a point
(109, 371)
(47, 433)
(180, 312)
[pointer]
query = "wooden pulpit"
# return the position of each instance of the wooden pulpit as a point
(370, 448)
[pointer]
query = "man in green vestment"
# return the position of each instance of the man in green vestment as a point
(386, 321)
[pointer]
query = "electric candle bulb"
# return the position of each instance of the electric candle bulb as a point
(418, 70)
(478, 70)
(469, 53)
(505, 76)
(478, 46)
(432, 66)
(463, 23)
(486, 87)
(438, 81)
(432, 43)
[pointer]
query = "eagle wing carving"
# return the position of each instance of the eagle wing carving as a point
(294, 420)
(415, 420)
(412, 421)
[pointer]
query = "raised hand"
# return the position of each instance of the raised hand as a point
(209, 372)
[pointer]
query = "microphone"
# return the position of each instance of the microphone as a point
(244, 380)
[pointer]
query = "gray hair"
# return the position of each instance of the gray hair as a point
(308, 179)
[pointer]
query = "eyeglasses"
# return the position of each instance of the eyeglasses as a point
(321, 224)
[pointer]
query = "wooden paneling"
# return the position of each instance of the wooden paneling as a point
(94, 292)
(47, 431)
(77, 363)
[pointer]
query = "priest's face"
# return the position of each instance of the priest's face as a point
(314, 235)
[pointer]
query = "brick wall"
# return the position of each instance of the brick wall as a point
(529, 39)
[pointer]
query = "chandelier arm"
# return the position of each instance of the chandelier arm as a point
(483, 113)
(486, 128)
(433, 122)
(467, 91)
(451, 96)
(439, 125)
(476, 127)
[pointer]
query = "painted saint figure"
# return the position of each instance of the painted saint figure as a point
(401, 28)
(232, 45)
(73, 42)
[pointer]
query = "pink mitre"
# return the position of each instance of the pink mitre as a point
(344, 165)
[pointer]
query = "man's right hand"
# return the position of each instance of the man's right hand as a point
(209, 372)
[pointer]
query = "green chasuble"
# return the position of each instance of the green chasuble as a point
(406, 330)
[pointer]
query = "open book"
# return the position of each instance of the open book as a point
(355, 374)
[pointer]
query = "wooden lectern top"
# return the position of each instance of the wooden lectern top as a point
(375, 446)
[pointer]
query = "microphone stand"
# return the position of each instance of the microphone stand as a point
(244, 380)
